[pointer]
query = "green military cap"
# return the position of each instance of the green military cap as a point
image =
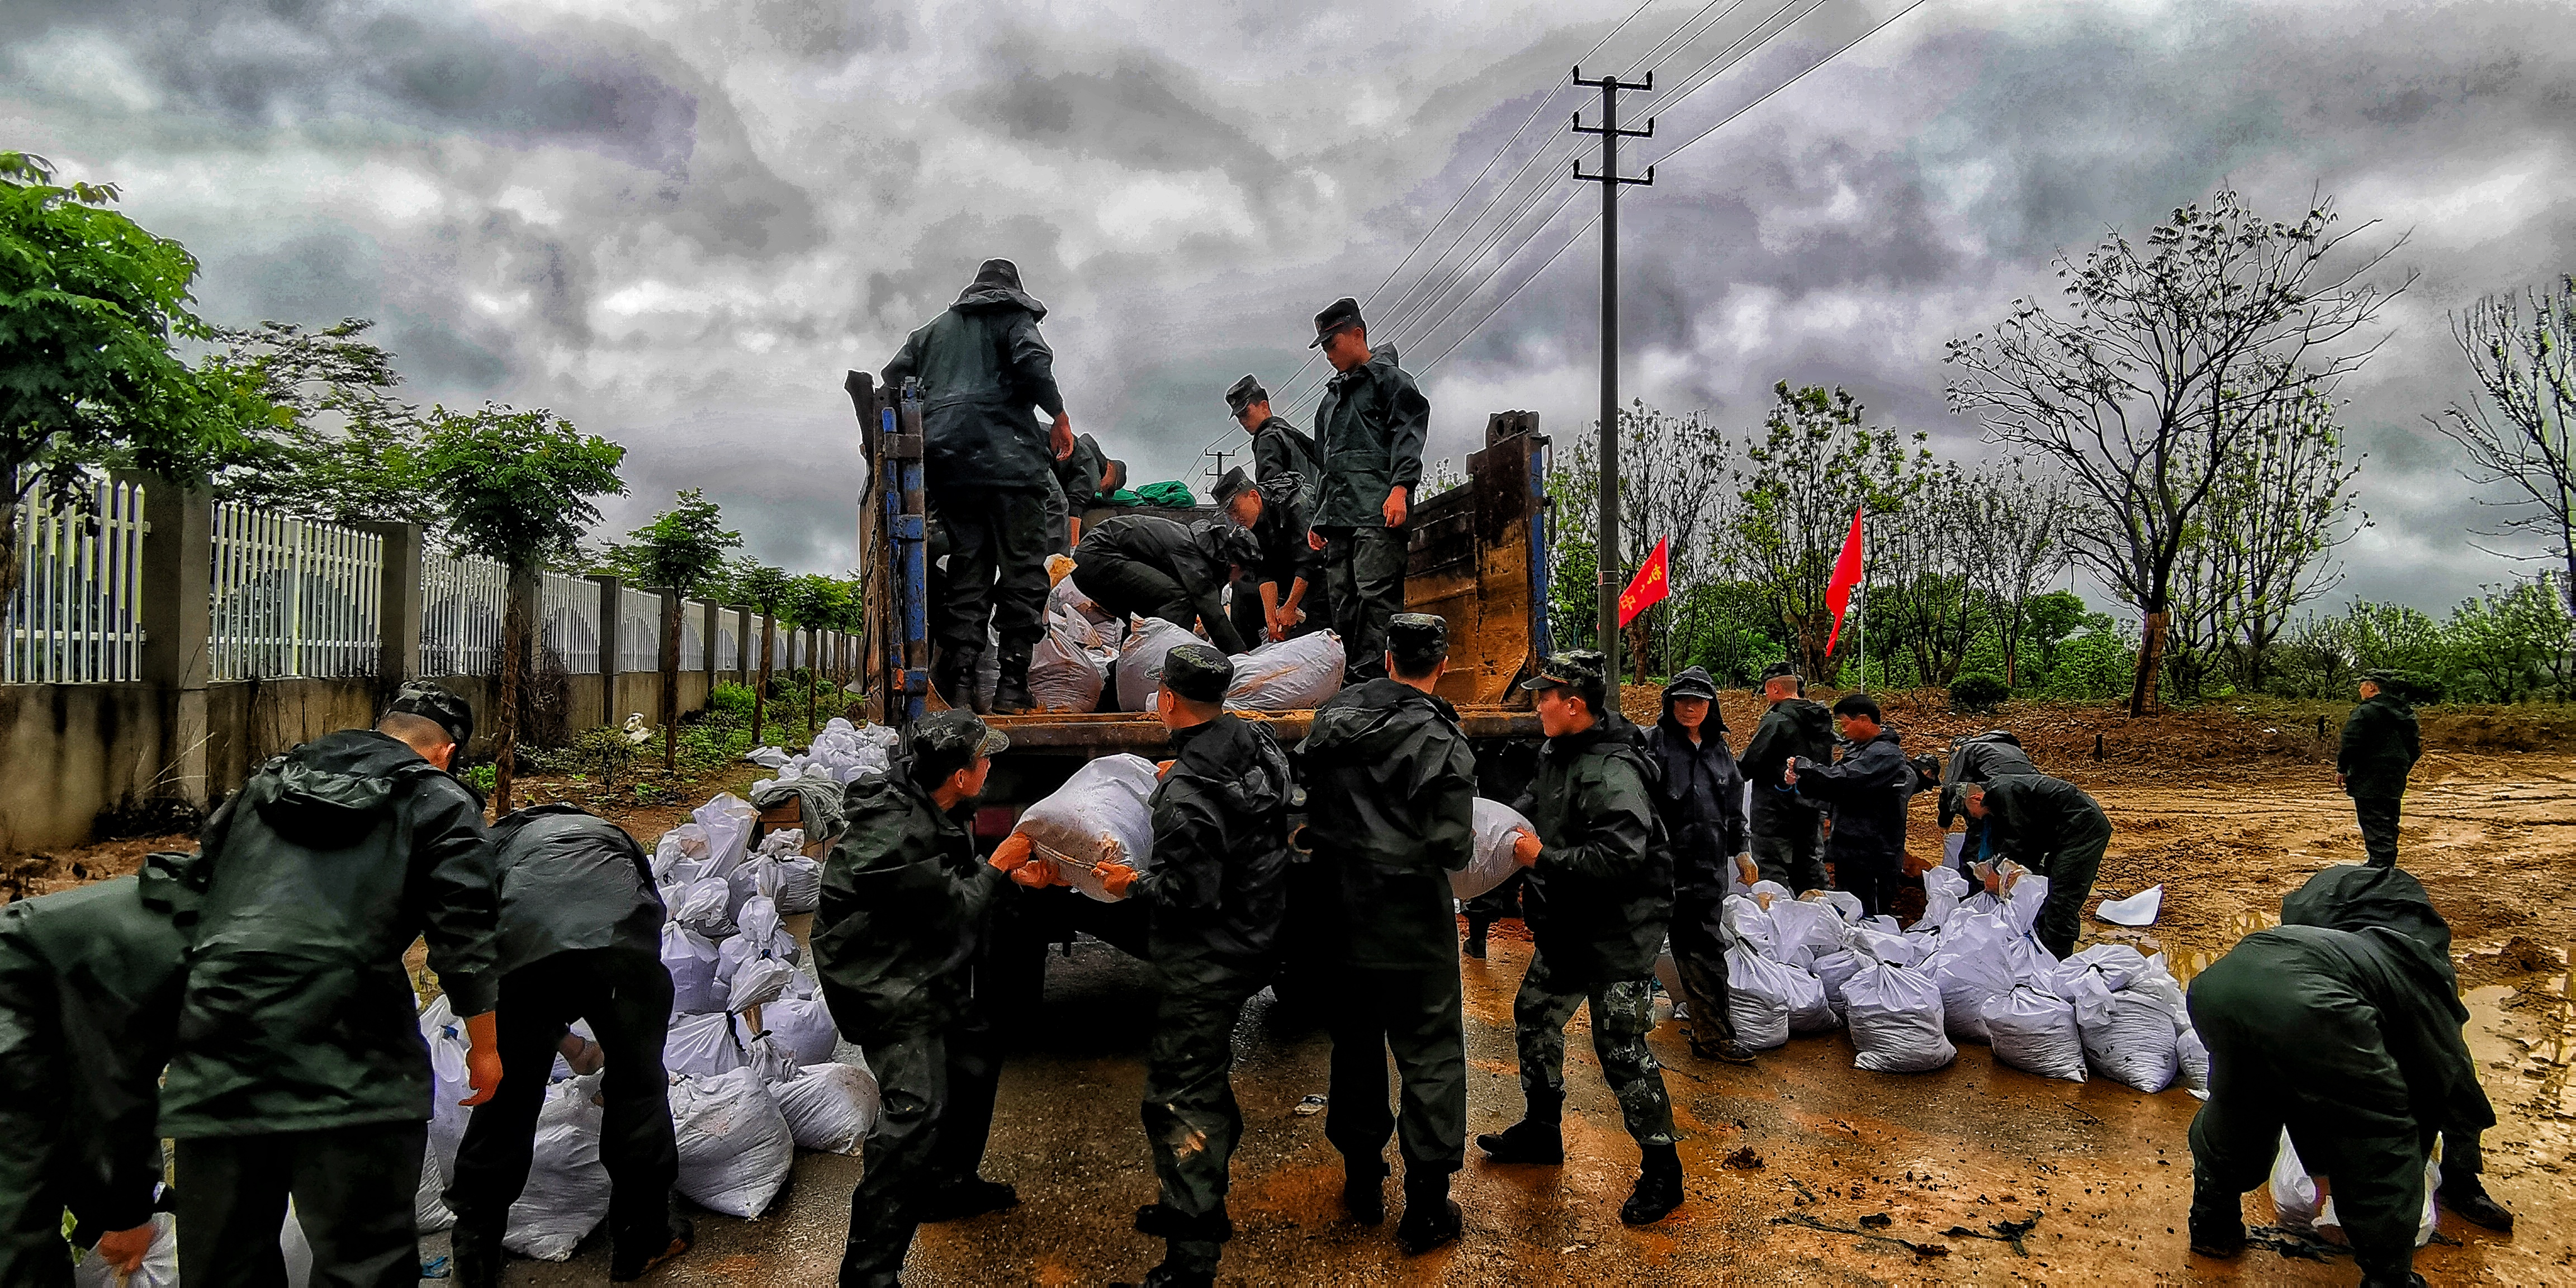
(2384, 677)
(954, 736)
(1780, 671)
(1198, 672)
(1417, 639)
(1341, 313)
(1234, 484)
(1579, 669)
(1244, 393)
(434, 703)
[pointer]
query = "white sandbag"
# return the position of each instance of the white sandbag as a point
(1289, 675)
(2294, 1199)
(789, 879)
(1498, 828)
(761, 936)
(2157, 981)
(160, 1268)
(2129, 1038)
(1760, 994)
(2117, 964)
(2034, 1031)
(567, 1191)
(2139, 909)
(1974, 963)
(691, 960)
(1805, 930)
(1943, 889)
(1843, 902)
(1835, 969)
(1894, 1014)
(768, 1060)
(1140, 660)
(1070, 665)
(735, 1149)
(448, 1047)
(830, 1107)
(688, 841)
(429, 1213)
(704, 905)
(802, 1025)
(1894, 947)
(1744, 921)
(2191, 1055)
(1810, 1010)
(702, 1045)
(728, 820)
(1951, 845)
(2329, 1226)
(759, 980)
(1098, 816)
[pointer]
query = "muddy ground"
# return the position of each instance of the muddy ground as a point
(1794, 1161)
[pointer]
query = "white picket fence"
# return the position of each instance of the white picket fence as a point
(570, 606)
(77, 615)
(292, 597)
(462, 605)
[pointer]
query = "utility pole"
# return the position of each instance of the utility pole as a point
(1217, 475)
(1607, 552)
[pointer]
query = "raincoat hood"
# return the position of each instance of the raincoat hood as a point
(1716, 722)
(2388, 901)
(997, 286)
(334, 790)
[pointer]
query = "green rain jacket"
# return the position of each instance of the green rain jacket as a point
(317, 876)
(906, 906)
(2380, 747)
(2390, 905)
(1180, 551)
(982, 366)
(89, 994)
(1280, 449)
(1788, 730)
(1370, 427)
(1390, 807)
(1218, 886)
(1602, 889)
(571, 880)
(2031, 816)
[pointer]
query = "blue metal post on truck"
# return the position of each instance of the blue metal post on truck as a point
(1477, 559)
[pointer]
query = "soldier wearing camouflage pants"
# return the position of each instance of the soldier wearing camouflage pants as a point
(1600, 893)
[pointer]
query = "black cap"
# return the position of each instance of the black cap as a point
(1226, 543)
(1579, 669)
(1198, 672)
(1341, 313)
(954, 738)
(1780, 670)
(1691, 684)
(1244, 393)
(1417, 639)
(434, 703)
(1234, 484)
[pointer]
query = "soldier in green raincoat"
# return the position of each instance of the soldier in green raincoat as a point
(1370, 426)
(906, 912)
(1390, 794)
(1787, 832)
(89, 996)
(2379, 749)
(1600, 894)
(299, 1067)
(2051, 827)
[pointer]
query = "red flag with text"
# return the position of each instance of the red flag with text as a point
(1648, 588)
(1846, 575)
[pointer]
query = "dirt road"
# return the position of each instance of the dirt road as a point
(1793, 1162)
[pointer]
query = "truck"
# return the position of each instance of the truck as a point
(1477, 559)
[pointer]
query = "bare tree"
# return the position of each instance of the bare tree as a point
(2171, 347)
(2518, 433)
(2018, 524)
(2280, 509)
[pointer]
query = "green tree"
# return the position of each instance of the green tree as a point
(1816, 466)
(677, 552)
(2051, 619)
(818, 603)
(341, 447)
(89, 306)
(518, 487)
(764, 588)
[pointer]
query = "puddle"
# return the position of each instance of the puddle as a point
(2187, 962)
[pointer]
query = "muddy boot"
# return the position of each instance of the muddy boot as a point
(953, 675)
(971, 1197)
(1430, 1219)
(630, 1259)
(1476, 928)
(1011, 690)
(1723, 1050)
(474, 1254)
(1364, 1189)
(2467, 1198)
(2217, 1220)
(1659, 1187)
(1537, 1138)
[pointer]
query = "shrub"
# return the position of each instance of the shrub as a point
(1978, 691)
(731, 699)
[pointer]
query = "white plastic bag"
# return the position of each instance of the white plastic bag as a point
(687, 842)
(567, 1192)
(802, 1025)
(1498, 828)
(2139, 909)
(1894, 1014)
(1140, 660)
(2034, 1031)
(1291, 675)
(1070, 665)
(691, 960)
(728, 820)
(2191, 1056)
(770, 758)
(1804, 930)
(761, 936)
(2129, 1038)
(429, 1213)
(1943, 889)
(448, 1046)
(1098, 816)
(760, 980)
(160, 1268)
(1760, 994)
(1844, 903)
(1810, 1009)
(702, 1045)
(830, 1107)
(2294, 1199)
(1975, 962)
(704, 905)
(735, 1149)
(1835, 969)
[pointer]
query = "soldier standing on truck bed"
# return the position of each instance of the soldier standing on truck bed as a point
(989, 470)
(1370, 426)
(1212, 907)
(1390, 790)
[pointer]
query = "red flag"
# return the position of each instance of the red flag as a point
(1846, 575)
(1648, 588)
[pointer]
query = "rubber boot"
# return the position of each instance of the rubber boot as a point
(954, 677)
(2467, 1198)
(1364, 1189)
(1476, 928)
(1011, 690)
(1539, 1137)
(1659, 1187)
(630, 1259)
(2217, 1225)
(474, 1254)
(1430, 1218)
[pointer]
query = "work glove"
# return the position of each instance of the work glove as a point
(1746, 870)
(1525, 849)
(124, 1249)
(1116, 878)
(482, 1057)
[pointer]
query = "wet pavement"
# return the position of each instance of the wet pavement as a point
(1802, 1170)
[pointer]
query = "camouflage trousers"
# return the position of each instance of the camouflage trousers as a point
(1191, 1119)
(1622, 1014)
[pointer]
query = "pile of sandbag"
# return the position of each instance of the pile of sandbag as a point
(1287, 675)
(840, 753)
(1069, 668)
(1097, 817)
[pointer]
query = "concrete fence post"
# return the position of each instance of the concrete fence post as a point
(398, 610)
(744, 645)
(707, 637)
(611, 622)
(178, 620)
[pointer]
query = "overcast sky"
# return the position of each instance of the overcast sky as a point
(678, 224)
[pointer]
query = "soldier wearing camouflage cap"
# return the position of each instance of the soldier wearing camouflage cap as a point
(1788, 833)
(1600, 895)
(2380, 746)
(907, 908)
(1212, 903)
(1390, 787)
